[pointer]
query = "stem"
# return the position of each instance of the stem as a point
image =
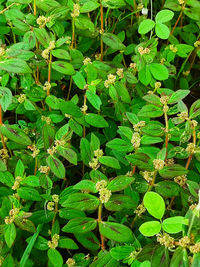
(191, 224)
(49, 72)
(180, 15)
(36, 164)
(84, 131)
(70, 87)
(56, 210)
(191, 155)
(102, 30)
(166, 131)
(99, 220)
(34, 8)
(73, 33)
(1, 123)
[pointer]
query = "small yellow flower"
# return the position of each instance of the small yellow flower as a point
(98, 153)
(101, 184)
(50, 206)
(21, 98)
(55, 198)
(70, 262)
(158, 164)
(105, 195)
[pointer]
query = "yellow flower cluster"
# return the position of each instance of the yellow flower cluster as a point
(12, 214)
(143, 51)
(105, 195)
(4, 154)
(45, 53)
(140, 210)
(57, 143)
(46, 119)
(120, 72)
(87, 61)
(158, 164)
(191, 148)
(181, 2)
(54, 242)
(166, 240)
(136, 140)
(84, 108)
(137, 127)
(110, 80)
(16, 185)
(173, 48)
(181, 180)
(76, 11)
(164, 99)
(2, 51)
(94, 164)
(42, 21)
(183, 115)
(148, 176)
(101, 184)
(195, 248)
(47, 86)
(51, 204)
(21, 98)
(197, 43)
(157, 85)
(184, 241)
(70, 262)
(44, 169)
(35, 150)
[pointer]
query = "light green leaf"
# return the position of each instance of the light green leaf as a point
(155, 204)
(146, 26)
(162, 31)
(150, 228)
(164, 16)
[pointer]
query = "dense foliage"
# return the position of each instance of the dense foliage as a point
(100, 141)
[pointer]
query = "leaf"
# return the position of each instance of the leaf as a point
(79, 80)
(3, 166)
(162, 31)
(29, 193)
(177, 96)
(89, 6)
(67, 153)
(144, 75)
(121, 252)
(150, 228)
(25, 224)
(67, 243)
(94, 99)
(31, 180)
(61, 53)
(29, 38)
(155, 204)
(167, 189)
(146, 26)
(42, 36)
(110, 162)
(173, 171)
(174, 225)
(119, 183)
(195, 109)
(48, 134)
(96, 120)
(113, 3)
(120, 202)
(80, 225)
(86, 154)
(113, 41)
(150, 111)
(88, 240)
(56, 166)
(141, 160)
(116, 232)
(7, 178)
(5, 98)
(15, 134)
(81, 201)
(159, 71)
(52, 101)
(63, 67)
(179, 258)
(120, 145)
(86, 185)
(15, 65)
(164, 16)
(10, 234)
(55, 257)
(68, 107)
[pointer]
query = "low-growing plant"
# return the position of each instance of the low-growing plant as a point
(100, 141)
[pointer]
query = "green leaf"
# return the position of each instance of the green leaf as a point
(116, 232)
(61, 53)
(67, 153)
(150, 228)
(96, 120)
(184, 50)
(178, 95)
(179, 258)
(7, 178)
(113, 3)
(119, 183)
(164, 16)
(31, 180)
(159, 71)
(113, 41)
(79, 80)
(10, 234)
(42, 36)
(5, 98)
(155, 204)
(56, 166)
(195, 109)
(146, 26)
(29, 38)
(174, 225)
(15, 65)
(145, 75)
(3, 166)
(67, 243)
(167, 188)
(120, 202)
(141, 160)
(86, 185)
(48, 134)
(94, 99)
(88, 240)
(68, 107)
(80, 225)
(55, 257)
(110, 162)
(89, 6)
(150, 111)
(15, 134)
(162, 31)
(29, 193)
(63, 67)
(28, 105)
(173, 171)
(121, 252)
(120, 145)
(81, 201)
